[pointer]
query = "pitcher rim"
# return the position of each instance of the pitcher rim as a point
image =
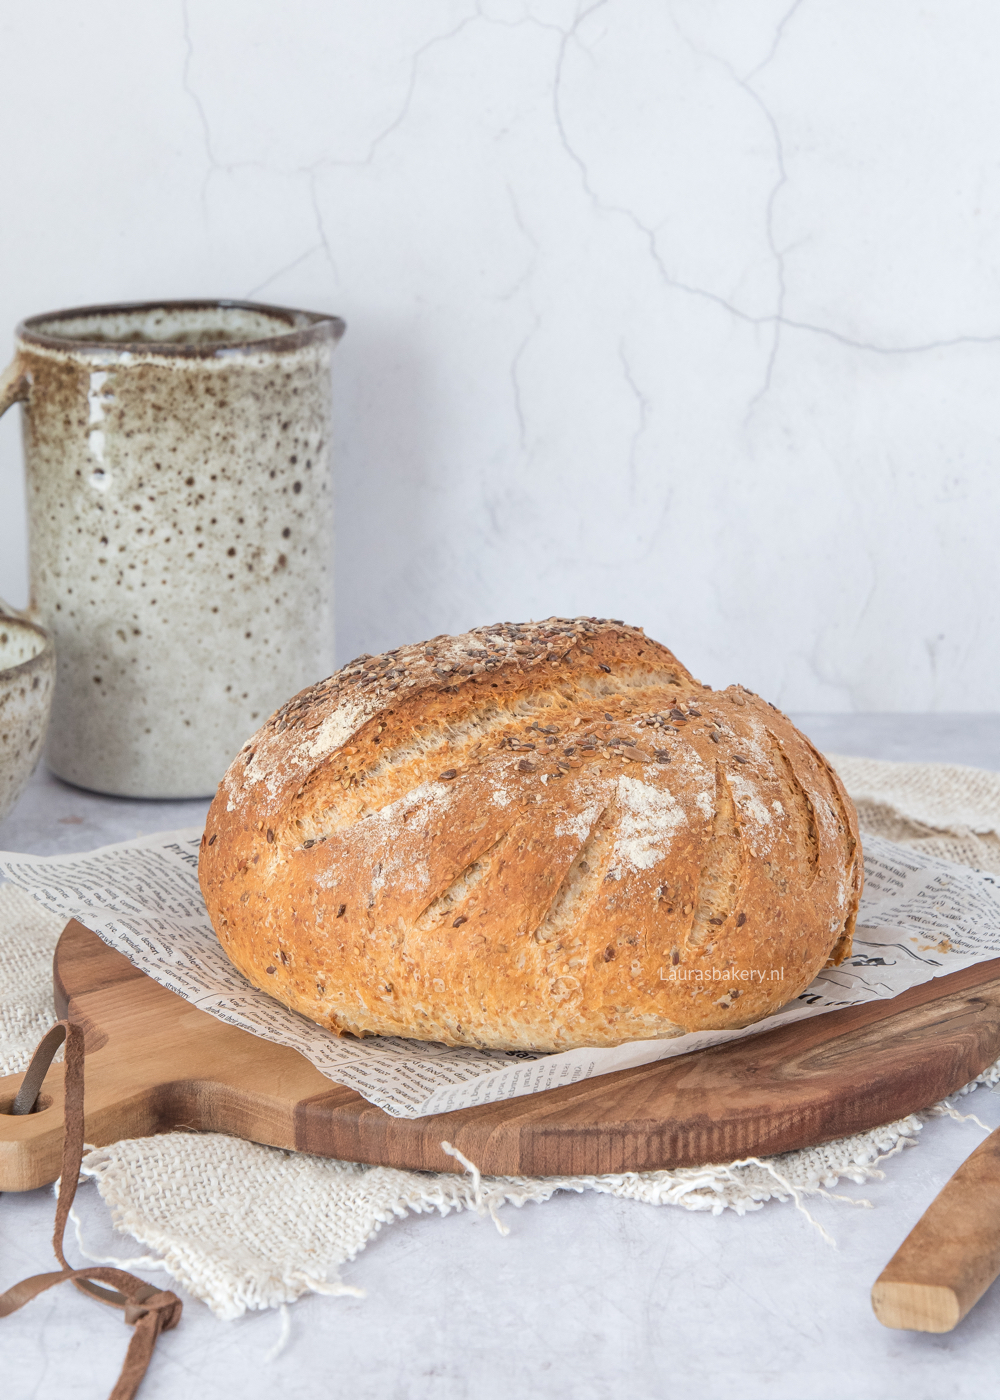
(304, 328)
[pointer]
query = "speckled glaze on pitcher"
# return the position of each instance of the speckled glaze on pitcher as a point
(180, 529)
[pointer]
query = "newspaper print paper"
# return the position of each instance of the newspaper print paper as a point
(920, 918)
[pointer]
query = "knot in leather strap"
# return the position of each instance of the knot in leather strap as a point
(166, 1304)
(148, 1309)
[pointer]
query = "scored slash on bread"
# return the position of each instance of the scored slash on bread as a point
(531, 837)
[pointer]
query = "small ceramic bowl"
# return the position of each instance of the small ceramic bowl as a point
(27, 675)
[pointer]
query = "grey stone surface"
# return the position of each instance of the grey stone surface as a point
(972, 739)
(53, 817)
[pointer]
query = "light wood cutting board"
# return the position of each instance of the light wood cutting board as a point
(154, 1063)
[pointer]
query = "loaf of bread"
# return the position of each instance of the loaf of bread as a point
(530, 837)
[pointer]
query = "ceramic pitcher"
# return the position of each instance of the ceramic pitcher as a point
(180, 529)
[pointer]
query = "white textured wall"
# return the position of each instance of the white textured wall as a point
(686, 313)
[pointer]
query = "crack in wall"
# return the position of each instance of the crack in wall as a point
(310, 172)
(522, 426)
(644, 406)
(206, 131)
(779, 34)
(777, 319)
(404, 110)
(529, 238)
(777, 254)
(255, 291)
(320, 226)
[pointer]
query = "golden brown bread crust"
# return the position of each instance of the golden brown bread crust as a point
(532, 837)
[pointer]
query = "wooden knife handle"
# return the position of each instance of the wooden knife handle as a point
(952, 1254)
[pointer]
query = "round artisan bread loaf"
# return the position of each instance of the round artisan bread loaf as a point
(530, 837)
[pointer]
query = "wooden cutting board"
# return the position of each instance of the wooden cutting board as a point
(154, 1064)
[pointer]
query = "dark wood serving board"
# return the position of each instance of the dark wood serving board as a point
(155, 1063)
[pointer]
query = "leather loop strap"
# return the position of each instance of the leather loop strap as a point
(147, 1309)
(27, 1096)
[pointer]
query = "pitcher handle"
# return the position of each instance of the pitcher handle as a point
(15, 386)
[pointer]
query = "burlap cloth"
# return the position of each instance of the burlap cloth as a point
(242, 1226)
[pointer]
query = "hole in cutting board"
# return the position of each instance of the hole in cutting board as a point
(43, 1102)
